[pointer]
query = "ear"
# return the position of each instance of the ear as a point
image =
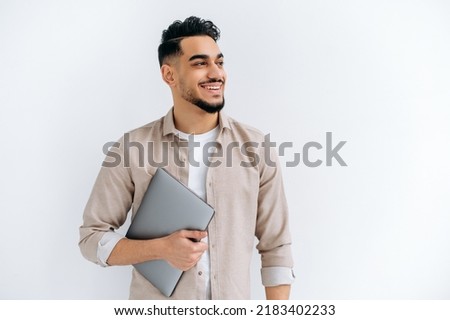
(167, 73)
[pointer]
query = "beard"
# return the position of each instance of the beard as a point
(208, 107)
(202, 104)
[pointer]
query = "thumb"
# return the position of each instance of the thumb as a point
(194, 234)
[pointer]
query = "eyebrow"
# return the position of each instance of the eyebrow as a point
(204, 56)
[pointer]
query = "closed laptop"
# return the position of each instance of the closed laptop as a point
(167, 206)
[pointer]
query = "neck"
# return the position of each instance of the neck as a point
(189, 118)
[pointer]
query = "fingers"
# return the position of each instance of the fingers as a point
(187, 258)
(182, 252)
(190, 261)
(193, 234)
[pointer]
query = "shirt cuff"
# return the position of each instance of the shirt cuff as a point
(275, 276)
(106, 246)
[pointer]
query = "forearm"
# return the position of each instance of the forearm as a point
(129, 251)
(280, 292)
(177, 249)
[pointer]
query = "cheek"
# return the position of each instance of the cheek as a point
(191, 79)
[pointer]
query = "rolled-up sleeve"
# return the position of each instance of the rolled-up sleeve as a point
(275, 276)
(272, 225)
(108, 204)
(106, 246)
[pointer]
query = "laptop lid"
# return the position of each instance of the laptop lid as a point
(166, 207)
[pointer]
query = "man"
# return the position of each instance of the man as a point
(230, 168)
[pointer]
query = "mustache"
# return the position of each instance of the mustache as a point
(213, 81)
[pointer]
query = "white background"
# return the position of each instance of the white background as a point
(77, 74)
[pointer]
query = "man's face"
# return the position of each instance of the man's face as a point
(200, 74)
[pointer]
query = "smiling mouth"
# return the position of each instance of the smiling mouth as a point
(213, 87)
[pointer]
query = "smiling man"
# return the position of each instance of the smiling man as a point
(247, 195)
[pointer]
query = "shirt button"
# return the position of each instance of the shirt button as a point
(199, 273)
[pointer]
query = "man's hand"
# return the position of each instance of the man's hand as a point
(183, 248)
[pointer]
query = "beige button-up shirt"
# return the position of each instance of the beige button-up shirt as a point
(243, 185)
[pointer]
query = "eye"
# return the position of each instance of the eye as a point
(199, 63)
(220, 63)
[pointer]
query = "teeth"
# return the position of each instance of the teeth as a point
(212, 87)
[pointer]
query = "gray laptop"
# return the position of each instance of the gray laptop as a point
(167, 206)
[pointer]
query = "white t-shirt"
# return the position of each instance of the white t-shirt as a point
(197, 182)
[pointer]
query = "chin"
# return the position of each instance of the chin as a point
(210, 107)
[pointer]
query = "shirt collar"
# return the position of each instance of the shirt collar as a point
(169, 125)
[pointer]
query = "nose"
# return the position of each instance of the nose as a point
(216, 72)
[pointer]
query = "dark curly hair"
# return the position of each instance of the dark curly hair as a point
(172, 36)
